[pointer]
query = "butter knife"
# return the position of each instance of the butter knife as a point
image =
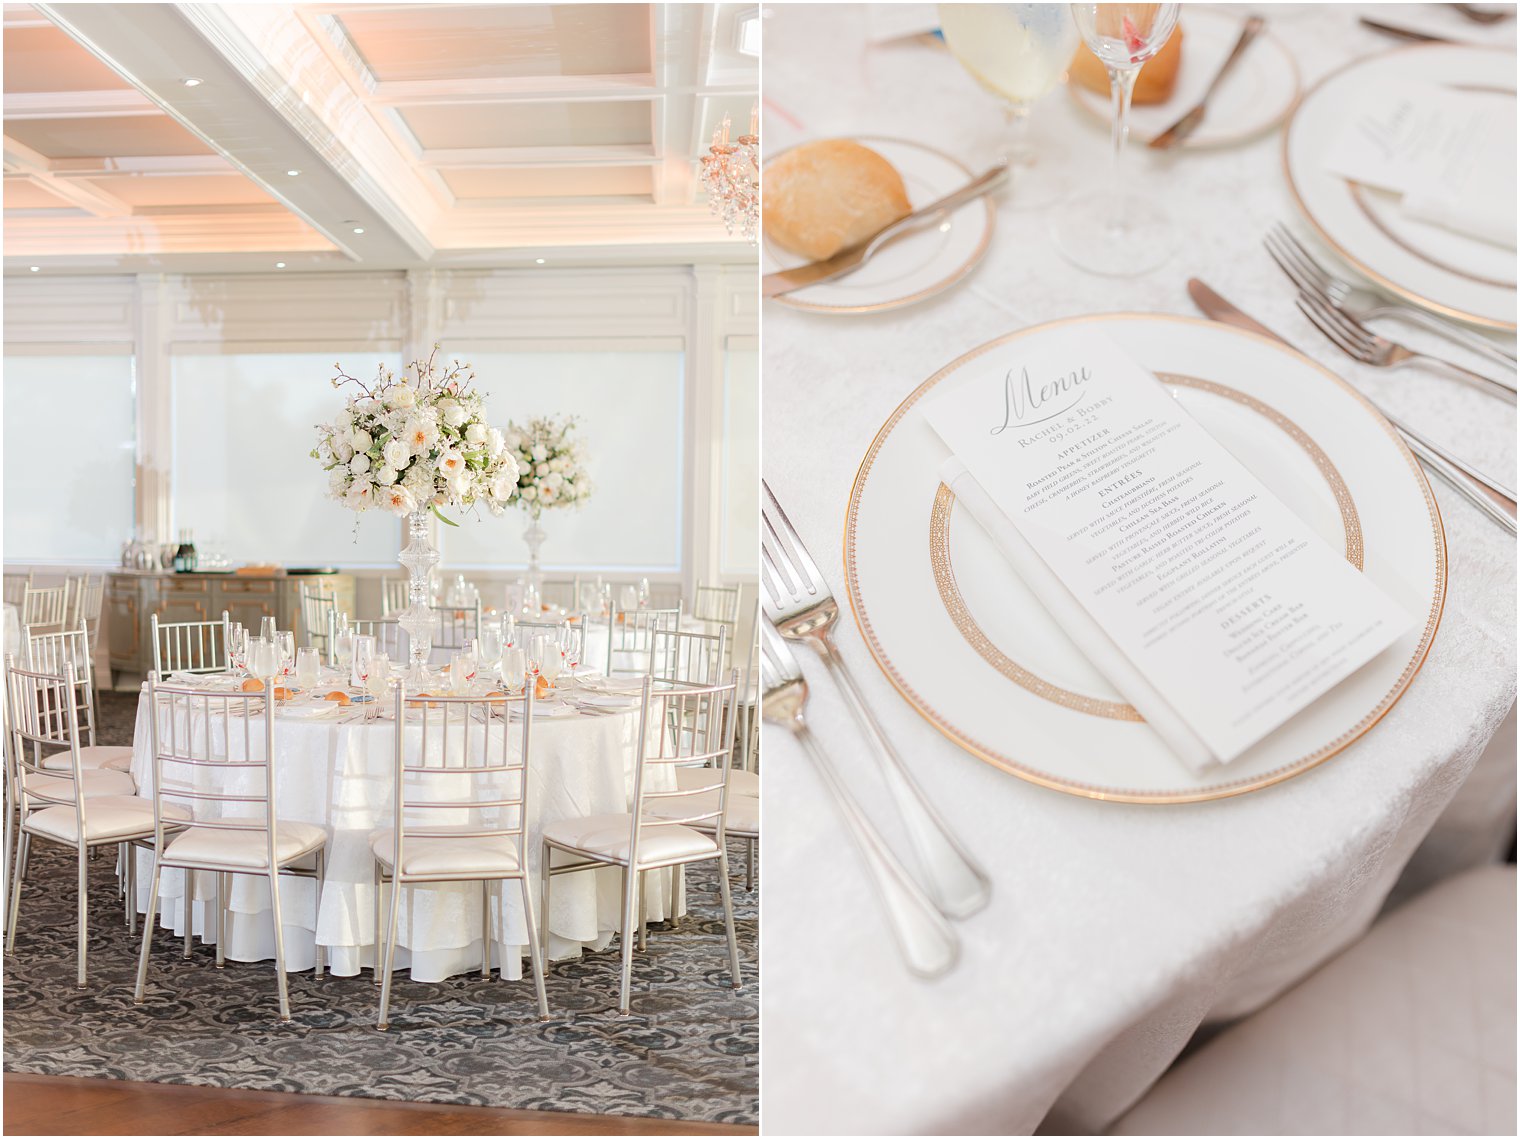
(1496, 501)
(1403, 33)
(1178, 131)
(848, 260)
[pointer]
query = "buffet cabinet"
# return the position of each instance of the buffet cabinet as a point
(132, 598)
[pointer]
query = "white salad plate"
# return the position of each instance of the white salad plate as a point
(968, 646)
(912, 267)
(1428, 265)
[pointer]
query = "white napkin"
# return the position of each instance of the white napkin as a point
(608, 701)
(1084, 631)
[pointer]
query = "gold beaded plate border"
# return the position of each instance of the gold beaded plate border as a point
(1140, 795)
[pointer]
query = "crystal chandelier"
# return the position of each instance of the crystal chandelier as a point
(731, 176)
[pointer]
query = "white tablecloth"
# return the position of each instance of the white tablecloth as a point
(341, 775)
(1114, 930)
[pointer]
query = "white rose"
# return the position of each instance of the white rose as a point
(508, 468)
(529, 493)
(459, 483)
(342, 451)
(397, 454)
(404, 397)
(503, 486)
(554, 480)
(360, 440)
(386, 475)
(360, 464)
(513, 440)
(496, 443)
(541, 470)
(540, 453)
(451, 412)
(547, 495)
(475, 433)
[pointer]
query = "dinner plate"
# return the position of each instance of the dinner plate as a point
(968, 646)
(915, 266)
(1446, 272)
(1253, 98)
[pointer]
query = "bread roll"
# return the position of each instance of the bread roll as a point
(826, 196)
(1156, 81)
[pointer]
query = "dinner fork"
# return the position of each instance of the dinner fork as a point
(925, 938)
(1368, 347)
(798, 601)
(1364, 304)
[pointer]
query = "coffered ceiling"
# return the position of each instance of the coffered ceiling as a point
(246, 136)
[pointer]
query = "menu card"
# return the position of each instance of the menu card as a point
(1231, 610)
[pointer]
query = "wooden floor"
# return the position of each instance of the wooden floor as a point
(62, 1105)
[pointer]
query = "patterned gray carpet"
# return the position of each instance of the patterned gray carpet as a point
(690, 1049)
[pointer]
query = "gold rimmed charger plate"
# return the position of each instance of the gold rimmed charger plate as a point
(1056, 722)
(914, 267)
(1412, 262)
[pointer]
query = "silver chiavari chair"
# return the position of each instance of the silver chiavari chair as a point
(318, 609)
(62, 805)
(46, 607)
(390, 637)
(49, 652)
(190, 646)
(630, 638)
(15, 587)
(717, 603)
(453, 625)
(89, 600)
(213, 756)
(668, 825)
(461, 807)
(563, 592)
(393, 595)
(688, 657)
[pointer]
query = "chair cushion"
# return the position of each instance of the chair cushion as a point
(96, 782)
(739, 782)
(463, 855)
(249, 850)
(94, 756)
(107, 817)
(743, 811)
(608, 836)
(1411, 1031)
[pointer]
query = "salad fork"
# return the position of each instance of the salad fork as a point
(798, 602)
(1363, 304)
(925, 938)
(1369, 348)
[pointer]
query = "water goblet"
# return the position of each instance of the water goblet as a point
(550, 664)
(628, 597)
(514, 669)
(264, 659)
(1117, 232)
(343, 649)
(308, 668)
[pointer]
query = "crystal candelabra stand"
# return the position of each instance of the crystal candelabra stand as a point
(534, 536)
(731, 176)
(419, 558)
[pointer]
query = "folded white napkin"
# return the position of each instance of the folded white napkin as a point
(610, 700)
(1069, 613)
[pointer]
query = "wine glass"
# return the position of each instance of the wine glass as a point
(308, 668)
(237, 650)
(1117, 232)
(514, 669)
(550, 662)
(364, 659)
(266, 628)
(1018, 52)
(508, 632)
(286, 643)
(264, 659)
(343, 649)
(490, 645)
(571, 639)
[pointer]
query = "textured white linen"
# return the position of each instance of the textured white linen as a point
(1114, 930)
(340, 775)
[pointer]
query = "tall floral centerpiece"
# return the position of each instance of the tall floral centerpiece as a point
(413, 444)
(551, 474)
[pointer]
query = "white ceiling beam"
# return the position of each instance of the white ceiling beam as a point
(78, 104)
(145, 166)
(505, 157)
(23, 159)
(247, 230)
(681, 35)
(522, 89)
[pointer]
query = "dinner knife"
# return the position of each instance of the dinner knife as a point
(1498, 502)
(1403, 33)
(1178, 131)
(848, 260)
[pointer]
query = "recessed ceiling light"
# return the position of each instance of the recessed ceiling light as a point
(279, 264)
(192, 82)
(538, 261)
(36, 268)
(358, 229)
(293, 173)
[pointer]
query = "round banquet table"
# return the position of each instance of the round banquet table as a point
(340, 775)
(1114, 930)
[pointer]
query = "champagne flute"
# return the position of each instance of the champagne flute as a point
(643, 593)
(237, 650)
(1117, 232)
(266, 628)
(1018, 52)
(364, 659)
(286, 643)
